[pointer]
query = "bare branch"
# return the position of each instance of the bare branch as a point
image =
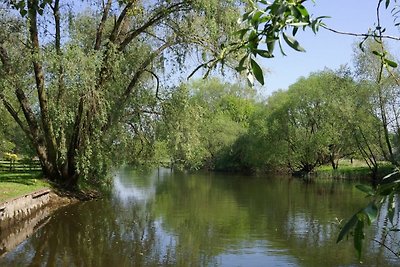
(388, 248)
(16, 117)
(100, 29)
(360, 34)
(203, 65)
(157, 82)
(118, 23)
(120, 103)
(142, 69)
(162, 13)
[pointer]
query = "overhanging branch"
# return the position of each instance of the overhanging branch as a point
(364, 35)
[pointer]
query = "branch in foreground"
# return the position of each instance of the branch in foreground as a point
(364, 35)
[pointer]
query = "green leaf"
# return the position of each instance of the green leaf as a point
(241, 64)
(257, 71)
(253, 35)
(377, 53)
(358, 237)
(240, 69)
(295, 29)
(366, 189)
(303, 11)
(271, 45)
(256, 17)
(371, 211)
(23, 12)
(295, 12)
(390, 63)
(347, 227)
(250, 79)
(387, 3)
(245, 16)
(241, 32)
(391, 174)
(264, 53)
(299, 24)
(293, 43)
(281, 48)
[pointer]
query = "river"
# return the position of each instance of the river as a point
(164, 218)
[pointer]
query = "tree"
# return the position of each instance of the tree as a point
(310, 124)
(203, 120)
(385, 94)
(71, 80)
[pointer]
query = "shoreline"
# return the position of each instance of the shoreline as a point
(22, 216)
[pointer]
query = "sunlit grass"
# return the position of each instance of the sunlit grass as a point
(13, 185)
(355, 169)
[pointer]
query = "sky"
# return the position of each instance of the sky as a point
(326, 49)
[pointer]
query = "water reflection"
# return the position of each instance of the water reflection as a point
(159, 218)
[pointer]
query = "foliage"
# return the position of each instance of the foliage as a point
(202, 122)
(91, 89)
(10, 156)
(265, 24)
(383, 199)
(310, 124)
(376, 65)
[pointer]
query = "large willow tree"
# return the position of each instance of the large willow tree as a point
(71, 71)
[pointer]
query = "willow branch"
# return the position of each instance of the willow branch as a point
(118, 23)
(164, 12)
(157, 82)
(16, 117)
(121, 102)
(100, 29)
(391, 37)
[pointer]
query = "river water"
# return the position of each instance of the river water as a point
(163, 218)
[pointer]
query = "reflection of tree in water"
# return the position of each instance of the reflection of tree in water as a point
(211, 216)
(199, 216)
(303, 219)
(191, 220)
(97, 233)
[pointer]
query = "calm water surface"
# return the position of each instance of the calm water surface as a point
(159, 218)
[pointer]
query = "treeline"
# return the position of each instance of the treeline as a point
(216, 125)
(320, 119)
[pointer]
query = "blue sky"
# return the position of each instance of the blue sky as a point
(326, 49)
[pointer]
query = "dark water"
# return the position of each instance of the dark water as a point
(158, 218)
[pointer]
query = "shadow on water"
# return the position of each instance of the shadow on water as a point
(159, 218)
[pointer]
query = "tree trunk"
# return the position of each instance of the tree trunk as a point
(50, 161)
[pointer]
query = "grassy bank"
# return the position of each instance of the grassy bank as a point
(13, 184)
(352, 170)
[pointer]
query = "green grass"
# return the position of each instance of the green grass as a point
(357, 169)
(13, 185)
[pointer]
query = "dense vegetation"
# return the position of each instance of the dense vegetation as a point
(320, 119)
(85, 87)
(81, 80)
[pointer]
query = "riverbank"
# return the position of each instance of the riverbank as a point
(26, 203)
(16, 184)
(23, 194)
(22, 216)
(355, 169)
